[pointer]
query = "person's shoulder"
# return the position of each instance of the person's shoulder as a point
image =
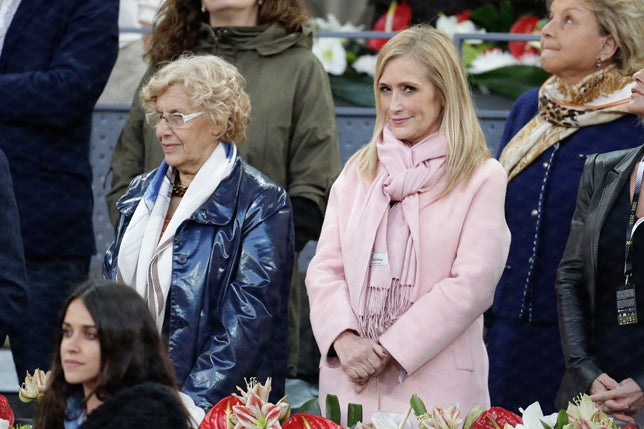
(487, 173)
(145, 405)
(608, 160)
(528, 100)
(255, 184)
(491, 168)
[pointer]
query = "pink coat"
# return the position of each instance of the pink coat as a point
(438, 342)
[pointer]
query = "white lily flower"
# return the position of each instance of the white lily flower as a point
(331, 53)
(532, 417)
(382, 420)
(365, 64)
(490, 60)
(450, 26)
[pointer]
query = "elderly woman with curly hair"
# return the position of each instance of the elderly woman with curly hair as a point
(207, 239)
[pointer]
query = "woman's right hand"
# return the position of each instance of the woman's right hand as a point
(361, 358)
(602, 383)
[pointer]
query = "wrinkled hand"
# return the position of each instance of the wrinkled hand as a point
(361, 358)
(621, 401)
(602, 383)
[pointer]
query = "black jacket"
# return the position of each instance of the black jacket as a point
(147, 405)
(603, 177)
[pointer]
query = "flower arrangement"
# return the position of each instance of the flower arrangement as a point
(31, 389)
(581, 413)
(506, 68)
(349, 63)
(251, 409)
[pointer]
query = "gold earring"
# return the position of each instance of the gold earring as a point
(598, 63)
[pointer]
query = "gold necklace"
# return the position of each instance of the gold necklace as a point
(178, 190)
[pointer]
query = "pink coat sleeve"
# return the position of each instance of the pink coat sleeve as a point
(331, 312)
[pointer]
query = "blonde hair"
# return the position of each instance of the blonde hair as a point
(624, 21)
(436, 53)
(213, 85)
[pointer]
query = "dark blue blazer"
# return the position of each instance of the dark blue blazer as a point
(56, 59)
(13, 277)
(539, 205)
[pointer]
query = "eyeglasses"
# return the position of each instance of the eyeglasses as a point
(174, 120)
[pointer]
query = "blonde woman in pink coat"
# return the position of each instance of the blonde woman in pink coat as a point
(413, 243)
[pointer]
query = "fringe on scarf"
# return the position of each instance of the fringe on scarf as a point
(383, 307)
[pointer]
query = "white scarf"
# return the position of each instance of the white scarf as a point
(145, 260)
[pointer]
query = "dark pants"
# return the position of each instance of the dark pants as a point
(526, 364)
(50, 279)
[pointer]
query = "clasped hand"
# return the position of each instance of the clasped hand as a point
(620, 400)
(361, 358)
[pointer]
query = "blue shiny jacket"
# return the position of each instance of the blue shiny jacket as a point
(232, 262)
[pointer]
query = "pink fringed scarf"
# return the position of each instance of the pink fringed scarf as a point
(387, 228)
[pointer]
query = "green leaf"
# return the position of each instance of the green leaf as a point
(333, 408)
(474, 413)
(311, 406)
(492, 19)
(562, 419)
(356, 89)
(354, 414)
(471, 51)
(417, 405)
(510, 81)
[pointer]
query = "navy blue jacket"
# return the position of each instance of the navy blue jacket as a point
(56, 59)
(231, 270)
(540, 202)
(13, 277)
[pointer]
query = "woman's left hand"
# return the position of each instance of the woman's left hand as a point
(385, 358)
(621, 402)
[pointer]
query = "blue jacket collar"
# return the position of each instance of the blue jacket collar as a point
(218, 210)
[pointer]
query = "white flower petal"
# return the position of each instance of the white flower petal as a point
(532, 416)
(331, 53)
(382, 420)
(365, 64)
(490, 60)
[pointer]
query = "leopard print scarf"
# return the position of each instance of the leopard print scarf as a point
(597, 99)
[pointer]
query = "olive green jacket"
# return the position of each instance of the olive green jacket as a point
(292, 137)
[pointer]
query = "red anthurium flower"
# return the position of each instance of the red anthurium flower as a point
(463, 16)
(6, 413)
(523, 25)
(397, 18)
(217, 417)
(495, 418)
(309, 421)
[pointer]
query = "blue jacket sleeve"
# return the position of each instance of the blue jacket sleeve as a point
(13, 277)
(58, 60)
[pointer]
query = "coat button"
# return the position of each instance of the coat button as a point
(181, 324)
(545, 165)
(534, 213)
(182, 259)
